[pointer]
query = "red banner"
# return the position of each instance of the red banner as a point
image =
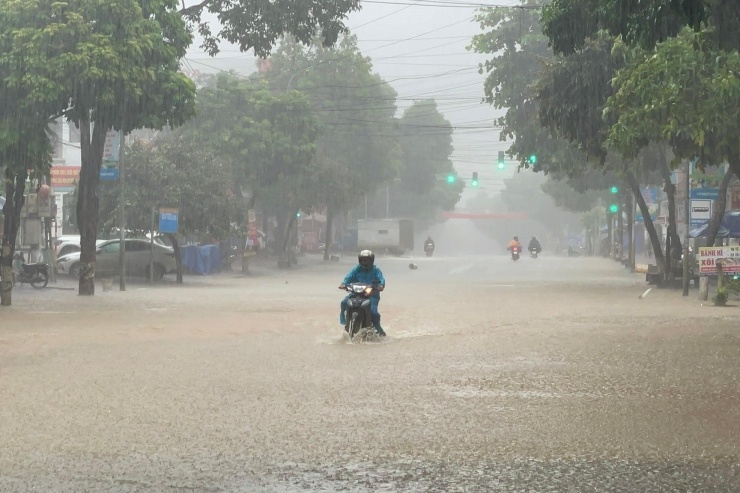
(64, 176)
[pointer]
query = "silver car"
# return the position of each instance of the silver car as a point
(137, 259)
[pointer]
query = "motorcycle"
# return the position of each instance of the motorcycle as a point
(359, 324)
(429, 249)
(534, 252)
(515, 253)
(37, 274)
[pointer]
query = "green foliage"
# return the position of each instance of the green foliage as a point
(566, 197)
(573, 94)
(262, 136)
(683, 92)
(426, 146)
(173, 173)
(515, 37)
(258, 24)
(357, 148)
(721, 296)
(569, 23)
(523, 193)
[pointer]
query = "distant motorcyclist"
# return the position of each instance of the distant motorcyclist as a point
(429, 246)
(514, 244)
(366, 273)
(534, 245)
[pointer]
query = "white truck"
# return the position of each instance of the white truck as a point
(394, 236)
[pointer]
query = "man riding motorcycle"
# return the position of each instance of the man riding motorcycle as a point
(534, 246)
(366, 273)
(514, 243)
(429, 244)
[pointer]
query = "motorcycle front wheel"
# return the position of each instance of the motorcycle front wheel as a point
(354, 327)
(40, 280)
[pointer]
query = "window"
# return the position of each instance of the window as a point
(111, 248)
(137, 246)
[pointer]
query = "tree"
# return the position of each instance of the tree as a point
(258, 24)
(573, 95)
(112, 66)
(25, 146)
(425, 137)
(357, 144)
(523, 193)
(695, 111)
(117, 67)
(569, 23)
(174, 173)
(266, 138)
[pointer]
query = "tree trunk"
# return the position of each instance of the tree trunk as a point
(649, 225)
(719, 209)
(14, 190)
(284, 257)
(245, 258)
(675, 241)
(610, 234)
(178, 255)
(620, 228)
(328, 236)
(88, 201)
(631, 232)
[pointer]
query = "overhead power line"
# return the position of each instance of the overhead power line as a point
(451, 4)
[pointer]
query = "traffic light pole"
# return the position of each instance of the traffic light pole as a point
(687, 222)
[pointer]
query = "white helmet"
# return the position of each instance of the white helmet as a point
(368, 257)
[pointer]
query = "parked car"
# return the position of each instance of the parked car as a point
(69, 244)
(137, 259)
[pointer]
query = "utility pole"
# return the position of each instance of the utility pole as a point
(387, 201)
(687, 222)
(122, 214)
(151, 250)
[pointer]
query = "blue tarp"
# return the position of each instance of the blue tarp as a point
(204, 259)
(728, 228)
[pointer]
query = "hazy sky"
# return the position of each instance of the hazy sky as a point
(420, 51)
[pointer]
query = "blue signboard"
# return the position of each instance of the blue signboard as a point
(168, 220)
(108, 174)
(705, 193)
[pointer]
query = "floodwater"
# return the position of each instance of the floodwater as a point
(545, 375)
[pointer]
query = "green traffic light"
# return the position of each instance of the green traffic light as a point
(501, 165)
(533, 159)
(614, 190)
(614, 208)
(450, 178)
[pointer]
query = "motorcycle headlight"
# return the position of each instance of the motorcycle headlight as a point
(359, 288)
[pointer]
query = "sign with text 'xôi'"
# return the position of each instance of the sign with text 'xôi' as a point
(728, 255)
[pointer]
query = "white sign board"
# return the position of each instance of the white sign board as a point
(708, 257)
(701, 211)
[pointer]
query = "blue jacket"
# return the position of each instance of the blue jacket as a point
(360, 275)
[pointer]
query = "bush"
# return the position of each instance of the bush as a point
(720, 297)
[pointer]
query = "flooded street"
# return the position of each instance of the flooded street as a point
(547, 375)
